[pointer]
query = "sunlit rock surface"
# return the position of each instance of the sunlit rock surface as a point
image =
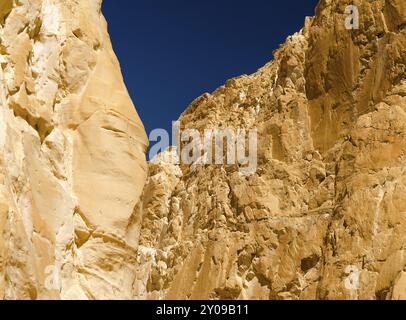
(325, 212)
(72, 155)
(322, 217)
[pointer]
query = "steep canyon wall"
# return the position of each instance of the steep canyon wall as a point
(78, 199)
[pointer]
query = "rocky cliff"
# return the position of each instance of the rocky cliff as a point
(72, 159)
(322, 216)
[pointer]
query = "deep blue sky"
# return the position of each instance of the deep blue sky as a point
(171, 52)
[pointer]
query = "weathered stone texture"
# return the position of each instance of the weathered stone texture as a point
(76, 193)
(72, 155)
(328, 192)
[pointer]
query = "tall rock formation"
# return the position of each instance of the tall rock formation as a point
(323, 217)
(72, 155)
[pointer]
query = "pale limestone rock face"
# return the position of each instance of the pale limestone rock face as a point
(328, 194)
(72, 155)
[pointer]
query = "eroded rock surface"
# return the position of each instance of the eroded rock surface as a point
(327, 198)
(72, 155)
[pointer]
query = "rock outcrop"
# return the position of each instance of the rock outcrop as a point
(323, 217)
(72, 155)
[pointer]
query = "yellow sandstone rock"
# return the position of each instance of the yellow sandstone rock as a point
(82, 215)
(72, 155)
(323, 217)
